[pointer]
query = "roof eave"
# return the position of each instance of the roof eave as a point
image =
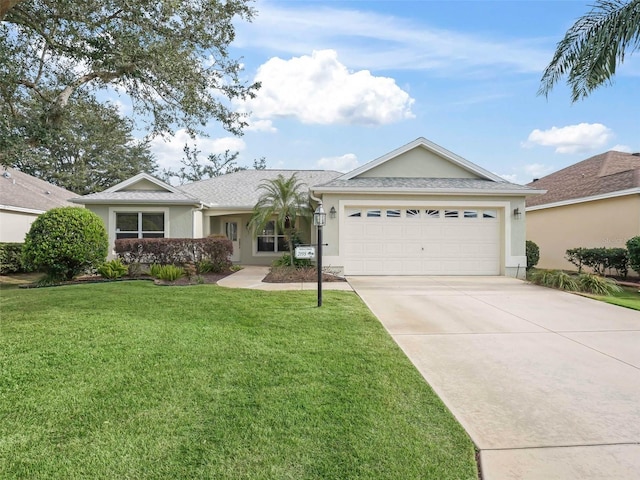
(124, 201)
(593, 198)
(427, 191)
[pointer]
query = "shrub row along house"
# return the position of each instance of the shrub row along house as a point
(419, 209)
(593, 203)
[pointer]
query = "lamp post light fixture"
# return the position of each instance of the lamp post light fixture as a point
(319, 220)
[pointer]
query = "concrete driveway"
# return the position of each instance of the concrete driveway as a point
(546, 383)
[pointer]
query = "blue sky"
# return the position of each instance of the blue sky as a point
(345, 82)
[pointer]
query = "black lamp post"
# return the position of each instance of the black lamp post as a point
(319, 220)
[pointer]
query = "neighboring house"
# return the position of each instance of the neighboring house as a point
(22, 199)
(418, 210)
(593, 203)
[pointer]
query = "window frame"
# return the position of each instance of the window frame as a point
(276, 236)
(140, 232)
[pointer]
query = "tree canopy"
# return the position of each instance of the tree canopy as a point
(90, 147)
(594, 46)
(59, 60)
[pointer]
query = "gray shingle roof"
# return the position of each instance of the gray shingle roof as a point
(139, 196)
(424, 185)
(17, 189)
(601, 174)
(241, 189)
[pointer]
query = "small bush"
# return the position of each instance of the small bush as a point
(285, 261)
(113, 269)
(533, 254)
(633, 246)
(589, 283)
(555, 279)
(170, 273)
(10, 258)
(65, 242)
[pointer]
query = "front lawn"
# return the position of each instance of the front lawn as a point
(629, 297)
(132, 380)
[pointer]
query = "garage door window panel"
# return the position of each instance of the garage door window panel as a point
(451, 214)
(430, 213)
(374, 213)
(413, 213)
(393, 213)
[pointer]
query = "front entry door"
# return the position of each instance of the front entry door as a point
(232, 232)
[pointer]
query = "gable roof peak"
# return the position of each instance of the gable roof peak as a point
(143, 176)
(432, 147)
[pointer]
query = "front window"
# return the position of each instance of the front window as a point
(270, 240)
(139, 225)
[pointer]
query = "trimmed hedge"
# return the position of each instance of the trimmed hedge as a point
(533, 254)
(600, 259)
(214, 251)
(10, 258)
(633, 246)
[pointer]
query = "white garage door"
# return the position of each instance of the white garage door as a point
(421, 241)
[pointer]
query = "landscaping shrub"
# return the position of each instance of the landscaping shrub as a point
(10, 258)
(65, 242)
(600, 260)
(167, 272)
(583, 282)
(633, 247)
(113, 269)
(597, 285)
(533, 254)
(177, 251)
(285, 261)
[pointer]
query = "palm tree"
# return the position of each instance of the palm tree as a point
(593, 47)
(281, 202)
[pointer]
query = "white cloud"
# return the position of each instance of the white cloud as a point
(537, 170)
(383, 41)
(622, 148)
(572, 138)
(343, 163)
(318, 89)
(260, 126)
(169, 151)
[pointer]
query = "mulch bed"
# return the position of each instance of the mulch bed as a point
(298, 275)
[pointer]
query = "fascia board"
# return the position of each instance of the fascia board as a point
(431, 191)
(593, 198)
(11, 208)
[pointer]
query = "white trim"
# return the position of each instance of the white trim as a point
(504, 216)
(432, 147)
(21, 209)
(425, 191)
(573, 201)
(112, 219)
(143, 176)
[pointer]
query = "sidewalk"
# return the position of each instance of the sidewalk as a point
(251, 277)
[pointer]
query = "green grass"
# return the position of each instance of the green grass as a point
(132, 380)
(628, 297)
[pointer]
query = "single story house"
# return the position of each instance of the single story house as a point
(418, 210)
(593, 203)
(24, 197)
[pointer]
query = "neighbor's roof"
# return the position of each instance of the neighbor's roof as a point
(22, 192)
(241, 189)
(425, 185)
(602, 174)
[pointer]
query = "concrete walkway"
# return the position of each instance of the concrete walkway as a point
(251, 277)
(546, 383)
